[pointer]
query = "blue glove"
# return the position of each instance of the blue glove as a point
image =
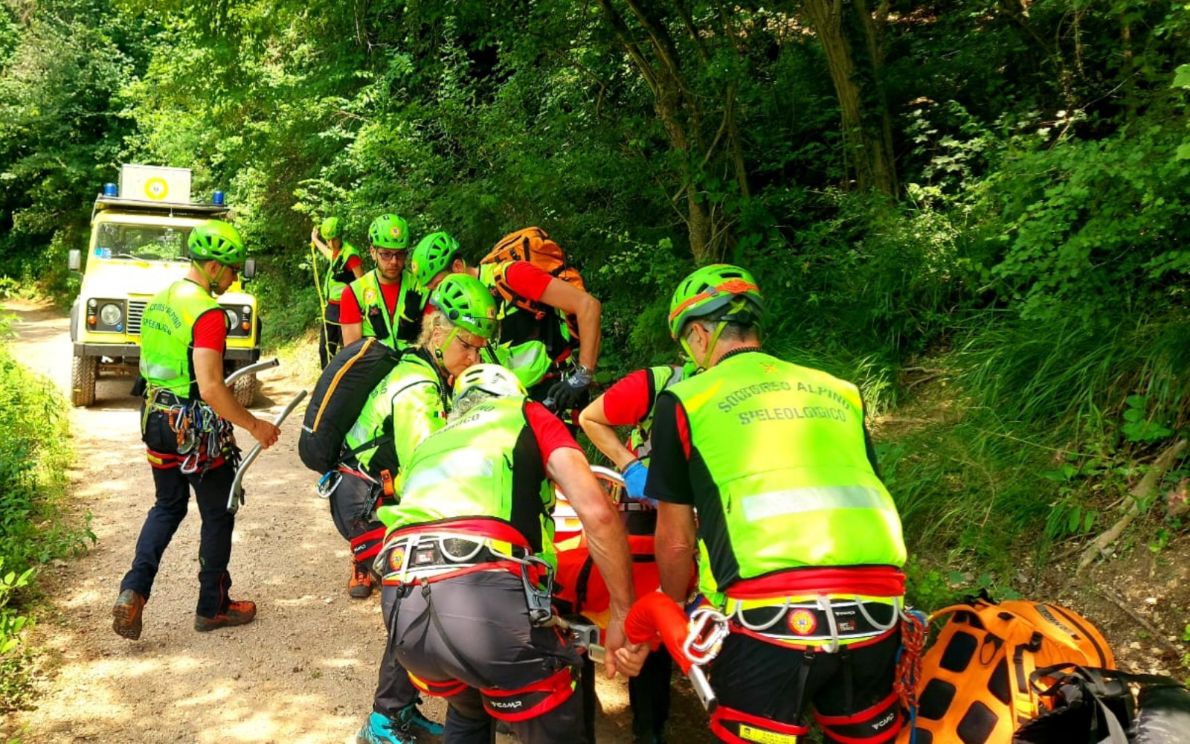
(634, 482)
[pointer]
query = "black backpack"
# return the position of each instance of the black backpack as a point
(338, 399)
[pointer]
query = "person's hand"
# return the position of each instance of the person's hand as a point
(635, 476)
(571, 391)
(621, 656)
(314, 234)
(264, 432)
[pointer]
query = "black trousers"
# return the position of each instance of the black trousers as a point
(352, 508)
(169, 509)
(482, 637)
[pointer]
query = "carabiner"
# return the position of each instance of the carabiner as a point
(708, 628)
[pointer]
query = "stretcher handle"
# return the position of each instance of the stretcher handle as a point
(250, 368)
(236, 497)
(656, 619)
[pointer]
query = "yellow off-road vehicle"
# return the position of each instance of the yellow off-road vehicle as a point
(137, 249)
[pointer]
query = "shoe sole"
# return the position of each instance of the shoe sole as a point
(126, 621)
(209, 625)
(360, 592)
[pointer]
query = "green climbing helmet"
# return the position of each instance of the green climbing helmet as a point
(716, 292)
(468, 304)
(216, 240)
(389, 231)
(491, 379)
(432, 255)
(330, 228)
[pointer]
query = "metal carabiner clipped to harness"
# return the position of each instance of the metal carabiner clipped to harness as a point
(708, 628)
(541, 609)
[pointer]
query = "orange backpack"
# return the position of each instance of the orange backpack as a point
(534, 245)
(974, 686)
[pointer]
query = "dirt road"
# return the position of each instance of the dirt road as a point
(303, 672)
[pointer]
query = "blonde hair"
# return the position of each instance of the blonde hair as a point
(430, 323)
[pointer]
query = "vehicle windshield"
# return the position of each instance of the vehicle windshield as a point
(142, 242)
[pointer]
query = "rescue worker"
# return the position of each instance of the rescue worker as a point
(344, 265)
(384, 303)
(538, 365)
(405, 408)
(186, 425)
(466, 558)
(629, 402)
(799, 542)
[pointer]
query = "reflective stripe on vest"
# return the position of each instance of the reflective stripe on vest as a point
(338, 276)
(465, 470)
(167, 336)
(785, 448)
(368, 295)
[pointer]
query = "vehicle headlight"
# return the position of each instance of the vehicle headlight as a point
(111, 315)
(233, 318)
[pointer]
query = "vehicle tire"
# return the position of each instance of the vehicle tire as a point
(83, 371)
(245, 389)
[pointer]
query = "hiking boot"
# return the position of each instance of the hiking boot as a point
(238, 612)
(360, 584)
(126, 614)
(380, 729)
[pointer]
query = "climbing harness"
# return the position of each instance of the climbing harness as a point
(845, 622)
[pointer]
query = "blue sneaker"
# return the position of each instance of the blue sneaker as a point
(410, 717)
(380, 729)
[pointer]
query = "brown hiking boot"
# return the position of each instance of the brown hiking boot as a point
(127, 613)
(238, 612)
(360, 584)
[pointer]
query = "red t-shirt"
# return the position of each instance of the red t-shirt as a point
(349, 311)
(629, 401)
(527, 280)
(210, 331)
(549, 431)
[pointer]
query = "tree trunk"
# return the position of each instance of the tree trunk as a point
(867, 133)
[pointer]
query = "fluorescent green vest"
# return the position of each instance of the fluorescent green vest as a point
(368, 295)
(167, 337)
(784, 446)
(337, 274)
(465, 470)
(664, 376)
(408, 403)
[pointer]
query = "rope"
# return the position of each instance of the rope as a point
(914, 631)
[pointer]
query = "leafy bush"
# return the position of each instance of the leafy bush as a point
(34, 459)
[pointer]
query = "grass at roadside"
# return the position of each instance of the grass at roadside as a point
(35, 527)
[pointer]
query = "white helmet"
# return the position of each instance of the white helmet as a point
(488, 379)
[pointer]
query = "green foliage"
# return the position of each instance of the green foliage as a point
(34, 527)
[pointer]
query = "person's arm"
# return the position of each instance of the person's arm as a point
(669, 483)
(350, 318)
(594, 422)
(323, 248)
(208, 369)
(606, 541)
(675, 545)
(589, 312)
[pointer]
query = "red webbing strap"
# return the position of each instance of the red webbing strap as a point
(766, 724)
(871, 581)
(446, 688)
(366, 546)
(495, 529)
(162, 460)
(559, 685)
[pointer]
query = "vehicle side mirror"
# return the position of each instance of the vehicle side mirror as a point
(74, 260)
(249, 269)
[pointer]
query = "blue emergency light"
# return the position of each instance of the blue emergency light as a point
(217, 198)
(109, 189)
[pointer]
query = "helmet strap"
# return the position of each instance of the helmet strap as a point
(449, 339)
(705, 362)
(212, 281)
